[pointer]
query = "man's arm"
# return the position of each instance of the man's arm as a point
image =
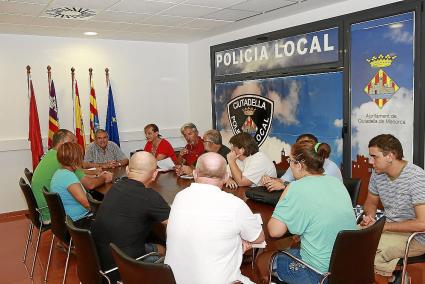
(276, 228)
(90, 182)
(410, 226)
(370, 207)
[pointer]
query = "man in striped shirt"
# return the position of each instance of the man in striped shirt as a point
(400, 186)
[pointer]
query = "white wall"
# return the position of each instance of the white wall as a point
(199, 55)
(149, 81)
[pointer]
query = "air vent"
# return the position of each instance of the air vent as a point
(70, 13)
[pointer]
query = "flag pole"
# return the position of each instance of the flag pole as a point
(49, 76)
(28, 79)
(73, 95)
(107, 76)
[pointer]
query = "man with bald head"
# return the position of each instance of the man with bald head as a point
(209, 227)
(128, 212)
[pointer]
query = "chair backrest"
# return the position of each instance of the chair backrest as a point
(57, 215)
(353, 187)
(88, 265)
(94, 203)
(353, 255)
(135, 272)
(28, 175)
(33, 214)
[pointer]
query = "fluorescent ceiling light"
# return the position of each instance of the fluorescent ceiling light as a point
(90, 33)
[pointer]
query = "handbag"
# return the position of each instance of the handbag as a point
(261, 194)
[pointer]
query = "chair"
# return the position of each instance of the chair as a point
(406, 260)
(94, 203)
(135, 272)
(59, 230)
(28, 175)
(352, 258)
(353, 187)
(88, 265)
(34, 215)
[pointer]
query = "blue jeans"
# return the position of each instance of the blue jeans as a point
(293, 272)
(149, 247)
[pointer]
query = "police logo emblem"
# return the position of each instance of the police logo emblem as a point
(252, 114)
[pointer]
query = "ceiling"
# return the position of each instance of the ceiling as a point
(145, 20)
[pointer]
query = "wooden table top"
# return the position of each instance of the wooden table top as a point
(168, 184)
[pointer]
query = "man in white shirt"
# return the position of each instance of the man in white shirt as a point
(208, 229)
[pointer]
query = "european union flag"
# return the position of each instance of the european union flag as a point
(111, 120)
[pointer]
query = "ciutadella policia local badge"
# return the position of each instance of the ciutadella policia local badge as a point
(252, 114)
(381, 87)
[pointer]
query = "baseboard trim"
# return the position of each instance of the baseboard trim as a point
(4, 217)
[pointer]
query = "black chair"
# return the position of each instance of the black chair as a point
(353, 187)
(352, 258)
(59, 230)
(94, 203)
(88, 264)
(34, 215)
(28, 175)
(133, 271)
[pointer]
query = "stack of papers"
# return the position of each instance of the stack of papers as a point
(165, 165)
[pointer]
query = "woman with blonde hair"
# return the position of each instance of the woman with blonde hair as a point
(67, 184)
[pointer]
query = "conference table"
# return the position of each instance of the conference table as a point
(168, 184)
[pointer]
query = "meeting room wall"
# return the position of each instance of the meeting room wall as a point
(199, 57)
(149, 82)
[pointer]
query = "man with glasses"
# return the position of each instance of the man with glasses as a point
(400, 186)
(213, 143)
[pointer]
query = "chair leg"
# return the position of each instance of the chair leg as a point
(67, 260)
(36, 250)
(49, 258)
(28, 241)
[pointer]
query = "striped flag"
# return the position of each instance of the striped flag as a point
(53, 115)
(34, 135)
(94, 117)
(79, 126)
(111, 119)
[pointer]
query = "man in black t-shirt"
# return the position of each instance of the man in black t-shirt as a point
(128, 212)
(213, 143)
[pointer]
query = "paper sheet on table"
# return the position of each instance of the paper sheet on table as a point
(166, 164)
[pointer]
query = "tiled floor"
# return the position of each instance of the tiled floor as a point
(13, 233)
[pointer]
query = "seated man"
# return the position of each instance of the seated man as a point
(49, 165)
(129, 211)
(209, 229)
(103, 153)
(213, 143)
(400, 186)
(188, 156)
(331, 169)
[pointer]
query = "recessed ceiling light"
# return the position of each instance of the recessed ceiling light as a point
(70, 12)
(90, 33)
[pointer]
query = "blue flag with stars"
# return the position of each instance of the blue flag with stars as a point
(111, 120)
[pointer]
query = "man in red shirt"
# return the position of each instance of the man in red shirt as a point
(188, 156)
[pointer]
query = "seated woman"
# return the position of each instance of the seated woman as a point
(330, 168)
(315, 207)
(247, 165)
(66, 183)
(157, 146)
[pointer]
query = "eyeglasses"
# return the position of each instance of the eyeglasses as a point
(289, 160)
(208, 141)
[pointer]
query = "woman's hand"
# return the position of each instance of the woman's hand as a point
(230, 183)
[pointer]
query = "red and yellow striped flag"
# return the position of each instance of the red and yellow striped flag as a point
(79, 126)
(94, 117)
